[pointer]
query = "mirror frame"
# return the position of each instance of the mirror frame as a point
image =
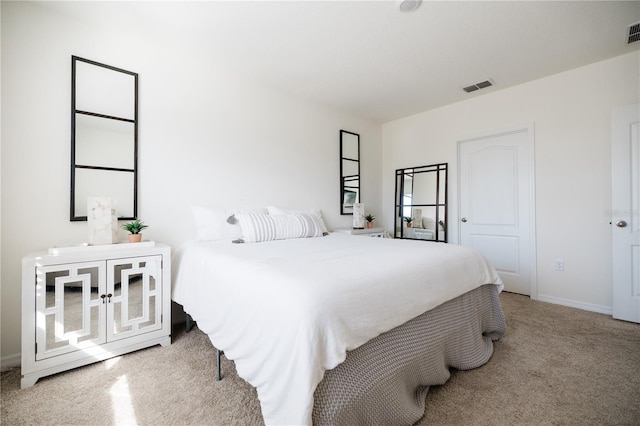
(440, 204)
(74, 216)
(346, 181)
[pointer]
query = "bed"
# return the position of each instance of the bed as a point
(341, 329)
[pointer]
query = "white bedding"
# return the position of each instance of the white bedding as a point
(286, 311)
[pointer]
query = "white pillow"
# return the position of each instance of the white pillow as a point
(430, 223)
(258, 227)
(212, 223)
(316, 213)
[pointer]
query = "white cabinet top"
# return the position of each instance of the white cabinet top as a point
(84, 252)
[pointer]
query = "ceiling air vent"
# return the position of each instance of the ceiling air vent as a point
(634, 33)
(477, 86)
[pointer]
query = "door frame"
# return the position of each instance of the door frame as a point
(530, 129)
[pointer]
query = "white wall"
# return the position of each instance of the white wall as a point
(206, 136)
(571, 113)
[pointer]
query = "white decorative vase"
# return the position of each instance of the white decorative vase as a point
(358, 216)
(103, 220)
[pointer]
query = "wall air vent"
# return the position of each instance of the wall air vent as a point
(477, 86)
(634, 33)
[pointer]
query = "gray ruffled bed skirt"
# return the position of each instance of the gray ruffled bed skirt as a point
(385, 381)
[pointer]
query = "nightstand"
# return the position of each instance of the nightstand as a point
(419, 233)
(88, 303)
(369, 232)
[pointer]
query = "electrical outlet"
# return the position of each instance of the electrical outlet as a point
(559, 265)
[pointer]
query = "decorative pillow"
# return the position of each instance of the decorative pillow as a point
(212, 223)
(258, 227)
(317, 214)
(231, 214)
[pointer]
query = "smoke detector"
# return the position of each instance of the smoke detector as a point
(408, 5)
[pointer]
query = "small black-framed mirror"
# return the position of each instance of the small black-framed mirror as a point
(104, 137)
(349, 171)
(421, 203)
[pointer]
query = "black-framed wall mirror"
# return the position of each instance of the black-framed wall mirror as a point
(104, 137)
(349, 171)
(421, 203)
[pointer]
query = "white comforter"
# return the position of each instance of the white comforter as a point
(286, 311)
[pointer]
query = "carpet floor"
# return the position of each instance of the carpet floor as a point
(555, 366)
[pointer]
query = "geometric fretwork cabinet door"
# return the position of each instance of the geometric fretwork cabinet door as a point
(85, 304)
(71, 314)
(134, 304)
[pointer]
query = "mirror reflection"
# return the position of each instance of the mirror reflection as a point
(104, 142)
(71, 309)
(75, 301)
(349, 171)
(120, 186)
(104, 130)
(104, 89)
(421, 203)
(134, 296)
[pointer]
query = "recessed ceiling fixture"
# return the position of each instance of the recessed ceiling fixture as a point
(408, 5)
(633, 34)
(481, 85)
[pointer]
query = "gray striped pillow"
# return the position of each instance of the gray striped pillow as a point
(258, 227)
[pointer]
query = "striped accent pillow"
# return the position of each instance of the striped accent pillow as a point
(258, 227)
(314, 212)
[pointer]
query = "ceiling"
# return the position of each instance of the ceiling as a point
(369, 58)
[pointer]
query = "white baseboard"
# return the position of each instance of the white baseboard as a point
(607, 310)
(10, 361)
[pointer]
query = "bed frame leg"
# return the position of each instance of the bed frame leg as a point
(219, 353)
(189, 322)
(219, 365)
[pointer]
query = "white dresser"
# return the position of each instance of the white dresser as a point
(86, 304)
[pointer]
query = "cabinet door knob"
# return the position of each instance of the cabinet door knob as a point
(621, 224)
(464, 219)
(103, 297)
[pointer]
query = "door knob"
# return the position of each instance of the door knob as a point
(621, 224)
(464, 219)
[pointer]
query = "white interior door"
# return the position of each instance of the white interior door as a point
(625, 157)
(495, 176)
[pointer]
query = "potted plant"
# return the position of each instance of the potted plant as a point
(409, 220)
(370, 218)
(134, 228)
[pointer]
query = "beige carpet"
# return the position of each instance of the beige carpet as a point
(555, 366)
